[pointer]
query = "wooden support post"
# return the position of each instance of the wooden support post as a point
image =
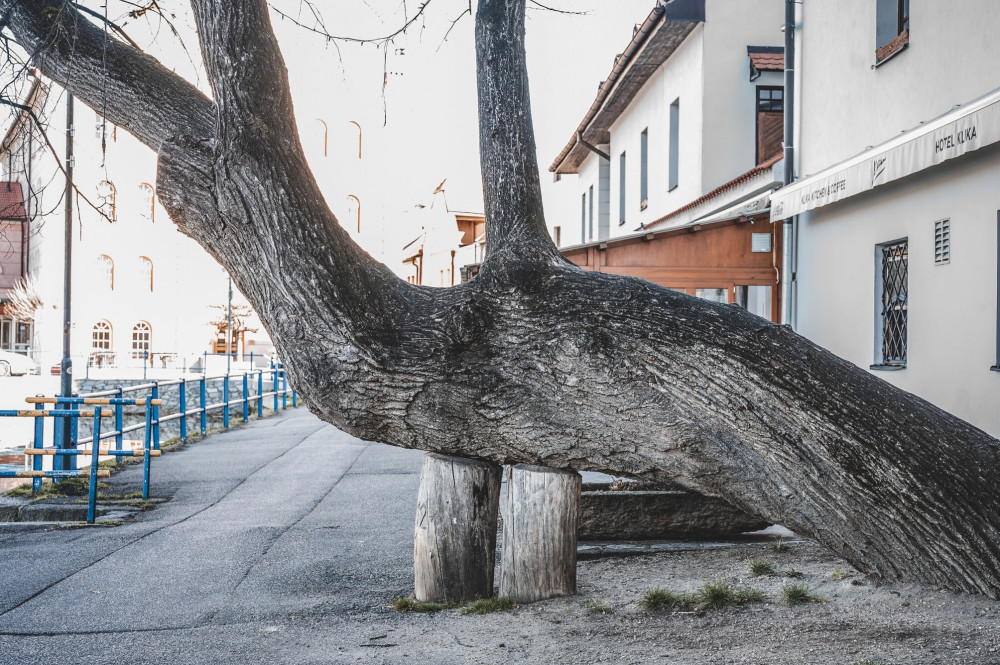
(455, 538)
(539, 533)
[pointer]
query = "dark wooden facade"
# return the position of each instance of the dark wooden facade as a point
(709, 256)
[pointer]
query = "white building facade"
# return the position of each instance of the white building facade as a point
(897, 202)
(676, 118)
(142, 292)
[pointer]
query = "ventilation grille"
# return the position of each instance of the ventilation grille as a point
(942, 242)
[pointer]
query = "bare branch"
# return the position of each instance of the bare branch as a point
(558, 11)
(319, 29)
(111, 24)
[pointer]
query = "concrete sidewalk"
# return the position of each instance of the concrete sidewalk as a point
(286, 517)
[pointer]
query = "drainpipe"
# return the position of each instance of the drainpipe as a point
(790, 226)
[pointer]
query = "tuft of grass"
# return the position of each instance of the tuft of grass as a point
(760, 567)
(411, 605)
(657, 600)
(79, 486)
(597, 607)
(487, 605)
(797, 593)
(794, 573)
(838, 574)
(715, 595)
(779, 546)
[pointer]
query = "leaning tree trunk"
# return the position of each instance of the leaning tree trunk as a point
(534, 361)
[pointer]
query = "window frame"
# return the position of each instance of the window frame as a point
(136, 351)
(590, 212)
(583, 218)
(644, 169)
(621, 188)
(881, 362)
(96, 330)
(674, 149)
(901, 40)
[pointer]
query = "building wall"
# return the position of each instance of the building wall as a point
(951, 59)
(678, 78)
(952, 308)
(730, 121)
(187, 282)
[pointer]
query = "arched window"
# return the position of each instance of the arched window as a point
(106, 199)
(359, 136)
(148, 200)
(326, 135)
(106, 268)
(100, 336)
(142, 339)
(354, 210)
(146, 266)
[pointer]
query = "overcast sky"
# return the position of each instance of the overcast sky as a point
(424, 128)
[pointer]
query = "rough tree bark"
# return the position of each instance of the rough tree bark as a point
(534, 361)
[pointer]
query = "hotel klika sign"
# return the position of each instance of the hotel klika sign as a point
(957, 133)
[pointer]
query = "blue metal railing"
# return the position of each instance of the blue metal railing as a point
(149, 397)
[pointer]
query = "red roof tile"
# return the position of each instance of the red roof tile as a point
(11, 201)
(767, 61)
(760, 168)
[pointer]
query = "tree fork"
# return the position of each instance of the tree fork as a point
(536, 361)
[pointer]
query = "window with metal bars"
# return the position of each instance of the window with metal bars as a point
(942, 242)
(892, 298)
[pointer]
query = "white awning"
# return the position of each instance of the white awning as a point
(967, 128)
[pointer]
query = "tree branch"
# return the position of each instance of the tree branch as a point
(515, 223)
(143, 97)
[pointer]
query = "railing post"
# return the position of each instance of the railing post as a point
(146, 448)
(260, 393)
(225, 399)
(95, 452)
(74, 437)
(119, 419)
(156, 416)
(204, 363)
(246, 397)
(145, 357)
(182, 389)
(202, 403)
(284, 389)
(36, 461)
(274, 386)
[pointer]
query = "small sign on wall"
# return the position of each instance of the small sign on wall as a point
(760, 242)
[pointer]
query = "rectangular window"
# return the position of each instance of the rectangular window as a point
(675, 137)
(942, 242)
(621, 189)
(583, 218)
(590, 213)
(892, 295)
(556, 235)
(892, 28)
(770, 121)
(996, 368)
(715, 295)
(644, 169)
(755, 299)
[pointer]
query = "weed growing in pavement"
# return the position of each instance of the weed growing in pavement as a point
(838, 574)
(597, 607)
(78, 486)
(793, 573)
(797, 593)
(487, 605)
(779, 546)
(760, 567)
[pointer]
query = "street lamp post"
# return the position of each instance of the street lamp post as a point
(229, 325)
(66, 367)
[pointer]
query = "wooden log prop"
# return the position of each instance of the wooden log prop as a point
(538, 560)
(455, 538)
